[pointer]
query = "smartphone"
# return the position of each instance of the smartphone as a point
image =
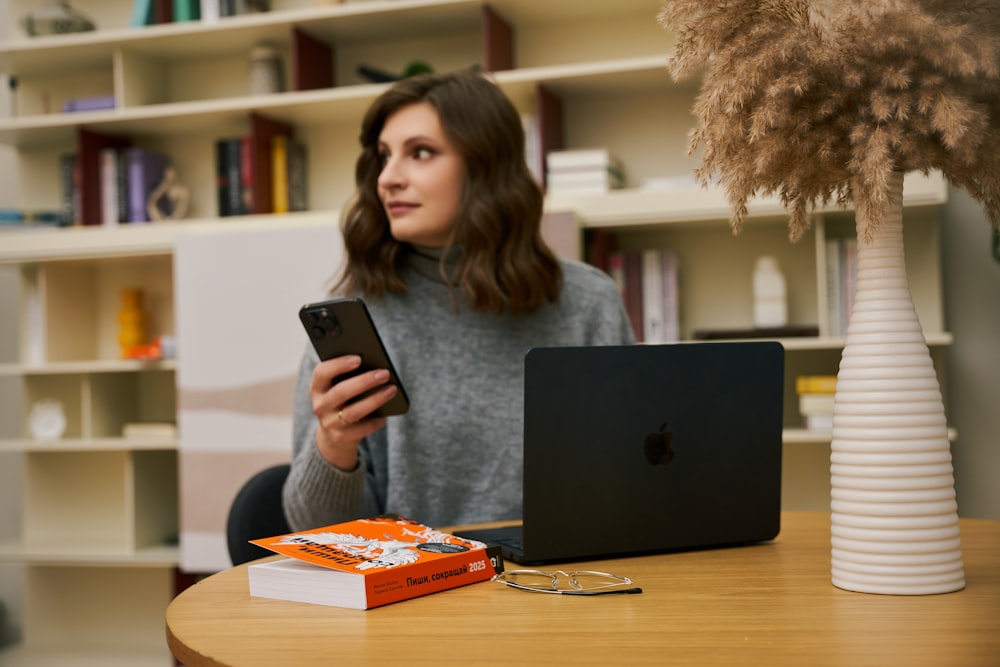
(343, 326)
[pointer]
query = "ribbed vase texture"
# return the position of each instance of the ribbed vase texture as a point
(894, 515)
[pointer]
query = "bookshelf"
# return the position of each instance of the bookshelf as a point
(592, 72)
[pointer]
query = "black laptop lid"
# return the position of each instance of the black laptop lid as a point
(641, 448)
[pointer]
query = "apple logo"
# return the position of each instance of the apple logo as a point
(657, 447)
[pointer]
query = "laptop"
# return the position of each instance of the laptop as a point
(647, 448)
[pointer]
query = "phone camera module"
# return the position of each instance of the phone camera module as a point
(329, 324)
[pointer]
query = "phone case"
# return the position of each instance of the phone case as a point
(343, 326)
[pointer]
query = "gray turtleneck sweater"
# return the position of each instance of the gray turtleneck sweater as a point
(456, 456)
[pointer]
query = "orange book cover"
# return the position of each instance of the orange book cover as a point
(369, 563)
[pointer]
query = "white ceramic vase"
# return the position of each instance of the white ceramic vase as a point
(894, 515)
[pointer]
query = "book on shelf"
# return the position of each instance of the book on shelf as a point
(298, 162)
(114, 186)
(263, 130)
(156, 430)
(632, 291)
(19, 218)
(368, 563)
(186, 10)
(312, 62)
(145, 171)
(583, 171)
(89, 147)
(841, 276)
(209, 10)
(142, 13)
(533, 147)
(98, 103)
(228, 183)
(69, 182)
(279, 174)
(591, 181)
(788, 331)
(288, 175)
(248, 165)
(816, 397)
(163, 11)
(648, 280)
(599, 244)
(581, 159)
(652, 296)
(816, 384)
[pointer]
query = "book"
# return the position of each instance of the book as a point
(533, 147)
(652, 297)
(149, 430)
(109, 186)
(249, 193)
(369, 563)
(582, 159)
(816, 404)
(660, 311)
(816, 384)
(279, 174)
(596, 181)
(145, 171)
(670, 292)
(228, 159)
(298, 193)
(187, 10)
(631, 263)
(90, 144)
(163, 11)
(142, 13)
(312, 62)
(788, 331)
(98, 103)
(263, 130)
(209, 10)
(834, 289)
(69, 173)
(841, 278)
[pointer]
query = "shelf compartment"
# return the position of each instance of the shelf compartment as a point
(98, 405)
(117, 612)
(112, 502)
(88, 294)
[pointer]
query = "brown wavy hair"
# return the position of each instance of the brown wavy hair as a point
(503, 265)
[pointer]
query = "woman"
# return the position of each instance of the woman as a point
(443, 244)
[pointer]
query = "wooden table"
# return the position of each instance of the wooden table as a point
(769, 604)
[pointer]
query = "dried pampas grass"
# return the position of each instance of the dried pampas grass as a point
(821, 101)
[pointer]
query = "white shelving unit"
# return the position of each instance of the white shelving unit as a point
(100, 510)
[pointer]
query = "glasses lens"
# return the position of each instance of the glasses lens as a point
(586, 581)
(530, 579)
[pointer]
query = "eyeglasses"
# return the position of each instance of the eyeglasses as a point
(579, 582)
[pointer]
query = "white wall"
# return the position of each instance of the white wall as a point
(972, 314)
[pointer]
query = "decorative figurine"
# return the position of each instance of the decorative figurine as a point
(131, 320)
(55, 18)
(169, 200)
(47, 420)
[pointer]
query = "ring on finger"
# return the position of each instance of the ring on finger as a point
(340, 416)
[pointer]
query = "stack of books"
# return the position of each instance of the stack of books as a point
(368, 563)
(648, 281)
(583, 171)
(816, 394)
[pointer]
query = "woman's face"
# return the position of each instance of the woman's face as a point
(422, 177)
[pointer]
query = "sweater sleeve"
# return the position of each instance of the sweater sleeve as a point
(317, 493)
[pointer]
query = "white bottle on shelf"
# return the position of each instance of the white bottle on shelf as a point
(770, 306)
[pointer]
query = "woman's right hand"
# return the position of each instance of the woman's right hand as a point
(343, 417)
